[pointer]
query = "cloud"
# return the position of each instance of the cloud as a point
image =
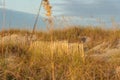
(88, 7)
(1, 3)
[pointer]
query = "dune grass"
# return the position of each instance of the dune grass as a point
(74, 34)
(41, 60)
(35, 64)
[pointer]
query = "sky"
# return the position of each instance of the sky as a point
(103, 9)
(69, 7)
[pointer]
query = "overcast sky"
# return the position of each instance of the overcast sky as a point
(69, 7)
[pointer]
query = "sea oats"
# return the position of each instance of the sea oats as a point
(47, 7)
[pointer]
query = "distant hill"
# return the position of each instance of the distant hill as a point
(16, 19)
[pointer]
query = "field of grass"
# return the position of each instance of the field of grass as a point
(67, 56)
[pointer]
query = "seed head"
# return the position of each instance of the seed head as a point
(47, 7)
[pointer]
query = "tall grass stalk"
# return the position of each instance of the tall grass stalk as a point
(47, 7)
(4, 23)
(37, 17)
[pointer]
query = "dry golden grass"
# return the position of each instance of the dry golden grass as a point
(35, 62)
